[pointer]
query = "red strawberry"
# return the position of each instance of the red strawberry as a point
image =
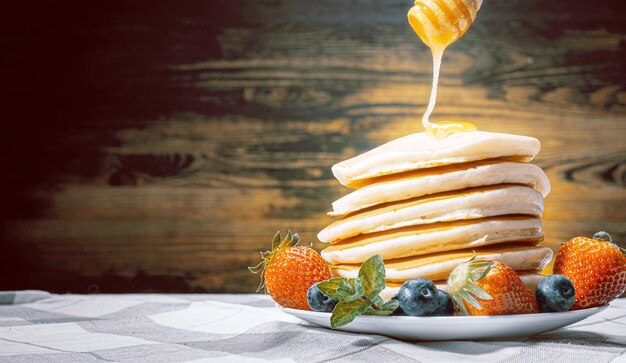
(489, 287)
(596, 267)
(287, 271)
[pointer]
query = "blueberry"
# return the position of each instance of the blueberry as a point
(318, 301)
(555, 293)
(445, 306)
(418, 297)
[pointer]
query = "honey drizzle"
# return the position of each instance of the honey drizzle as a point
(439, 23)
(437, 56)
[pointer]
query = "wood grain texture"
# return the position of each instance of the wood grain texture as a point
(159, 147)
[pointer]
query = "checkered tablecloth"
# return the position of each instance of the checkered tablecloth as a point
(39, 327)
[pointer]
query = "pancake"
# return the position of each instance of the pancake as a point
(418, 183)
(438, 266)
(422, 150)
(530, 278)
(437, 237)
(443, 207)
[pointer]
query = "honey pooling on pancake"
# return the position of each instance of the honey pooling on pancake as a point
(439, 23)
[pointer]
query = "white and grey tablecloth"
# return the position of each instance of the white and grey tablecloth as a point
(41, 327)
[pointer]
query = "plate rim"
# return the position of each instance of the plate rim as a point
(592, 311)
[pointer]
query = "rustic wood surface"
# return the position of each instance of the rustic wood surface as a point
(157, 146)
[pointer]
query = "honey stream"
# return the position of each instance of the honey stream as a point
(439, 23)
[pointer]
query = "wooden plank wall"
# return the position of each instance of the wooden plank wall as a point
(157, 146)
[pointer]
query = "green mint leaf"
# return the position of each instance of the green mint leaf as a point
(345, 312)
(382, 309)
(350, 290)
(342, 289)
(391, 305)
(371, 311)
(378, 301)
(372, 276)
(330, 287)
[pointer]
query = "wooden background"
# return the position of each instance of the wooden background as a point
(157, 146)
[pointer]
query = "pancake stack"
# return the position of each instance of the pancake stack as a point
(427, 204)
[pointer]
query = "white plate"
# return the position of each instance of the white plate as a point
(452, 327)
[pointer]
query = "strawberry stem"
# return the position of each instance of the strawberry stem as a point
(463, 287)
(601, 235)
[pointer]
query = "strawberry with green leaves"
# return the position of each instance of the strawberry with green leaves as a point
(489, 287)
(287, 271)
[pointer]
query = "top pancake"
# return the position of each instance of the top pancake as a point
(422, 150)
